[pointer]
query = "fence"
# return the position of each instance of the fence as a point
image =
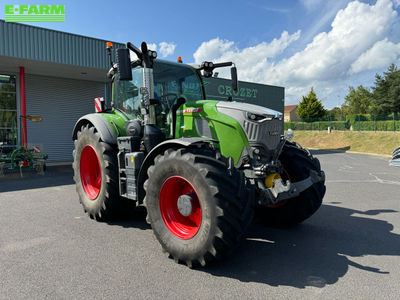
(350, 122)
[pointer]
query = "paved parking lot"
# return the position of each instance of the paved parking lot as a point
(349, 249)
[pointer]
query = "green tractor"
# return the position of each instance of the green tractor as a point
(202, 168)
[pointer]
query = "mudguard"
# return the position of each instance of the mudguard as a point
(160, 148)
(100, 123)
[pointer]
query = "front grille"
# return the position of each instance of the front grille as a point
(266, 133)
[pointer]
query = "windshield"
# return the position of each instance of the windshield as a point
(171, 81)
(126, 95)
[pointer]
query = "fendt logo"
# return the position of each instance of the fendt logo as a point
(35, 13)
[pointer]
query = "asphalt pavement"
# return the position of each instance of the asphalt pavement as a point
(349, 249)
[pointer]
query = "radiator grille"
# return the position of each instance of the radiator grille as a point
(266, 133)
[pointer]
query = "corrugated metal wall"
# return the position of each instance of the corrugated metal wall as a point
(60, 102)
(30, 42)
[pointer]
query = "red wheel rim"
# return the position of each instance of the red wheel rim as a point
(90, 172)
(184, 227)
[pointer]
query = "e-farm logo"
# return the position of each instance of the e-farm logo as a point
(35, 13)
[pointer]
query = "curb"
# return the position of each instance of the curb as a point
(354, 152)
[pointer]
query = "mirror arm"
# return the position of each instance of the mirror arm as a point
(132, 47)
(136, 63)
(224, 64)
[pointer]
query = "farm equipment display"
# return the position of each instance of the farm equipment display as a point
(202, 168)
(22, 156)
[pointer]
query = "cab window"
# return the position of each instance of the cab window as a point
(126, 96)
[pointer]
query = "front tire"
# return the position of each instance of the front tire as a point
(218, 205)
(96, 176)
(297, 163)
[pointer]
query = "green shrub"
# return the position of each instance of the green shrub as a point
(352, 119)
(388, 125)
(322, 125)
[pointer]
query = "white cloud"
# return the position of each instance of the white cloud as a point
(166, 49)
(212, 50)
(311, 4)
(133, 56)
(330, 55)
(152, 46)
(325, 63)
(250, 61)
(321, 15)
(380, 55)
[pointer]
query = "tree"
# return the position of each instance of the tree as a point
(310, 107)
(358, 101)
(386, 92)
(335, 113)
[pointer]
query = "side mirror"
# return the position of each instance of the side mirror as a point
(124, 64)
(234, 79)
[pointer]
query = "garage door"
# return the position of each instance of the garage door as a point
(60, 102)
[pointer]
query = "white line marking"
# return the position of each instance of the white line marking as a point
(376, 180)
(23, 245)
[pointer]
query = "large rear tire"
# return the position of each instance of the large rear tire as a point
(96, 176)
(297, 163)
(198, 208)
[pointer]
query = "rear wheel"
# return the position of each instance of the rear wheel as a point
(297, 163)
(198, 209)
(96, 176)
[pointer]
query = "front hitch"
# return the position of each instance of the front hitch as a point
(283, 191)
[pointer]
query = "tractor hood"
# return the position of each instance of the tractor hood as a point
(263, 126)
(249, 108)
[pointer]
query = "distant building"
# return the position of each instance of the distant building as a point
(290, 114)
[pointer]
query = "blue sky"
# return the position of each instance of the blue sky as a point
(296, 44)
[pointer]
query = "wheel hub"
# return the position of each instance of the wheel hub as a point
(180, 207)
(185, 205)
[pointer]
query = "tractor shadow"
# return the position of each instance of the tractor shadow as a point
(316, 253)
(135, 218)
(53, 176)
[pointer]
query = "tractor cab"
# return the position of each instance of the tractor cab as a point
(152, 90)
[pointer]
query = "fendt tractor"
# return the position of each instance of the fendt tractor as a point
(202, 168)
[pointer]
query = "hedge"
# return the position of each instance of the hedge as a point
(376, 126)
(322, 125)
(388, 125)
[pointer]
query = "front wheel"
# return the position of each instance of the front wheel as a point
(198, 209)
(297, 164)
(96, 176)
